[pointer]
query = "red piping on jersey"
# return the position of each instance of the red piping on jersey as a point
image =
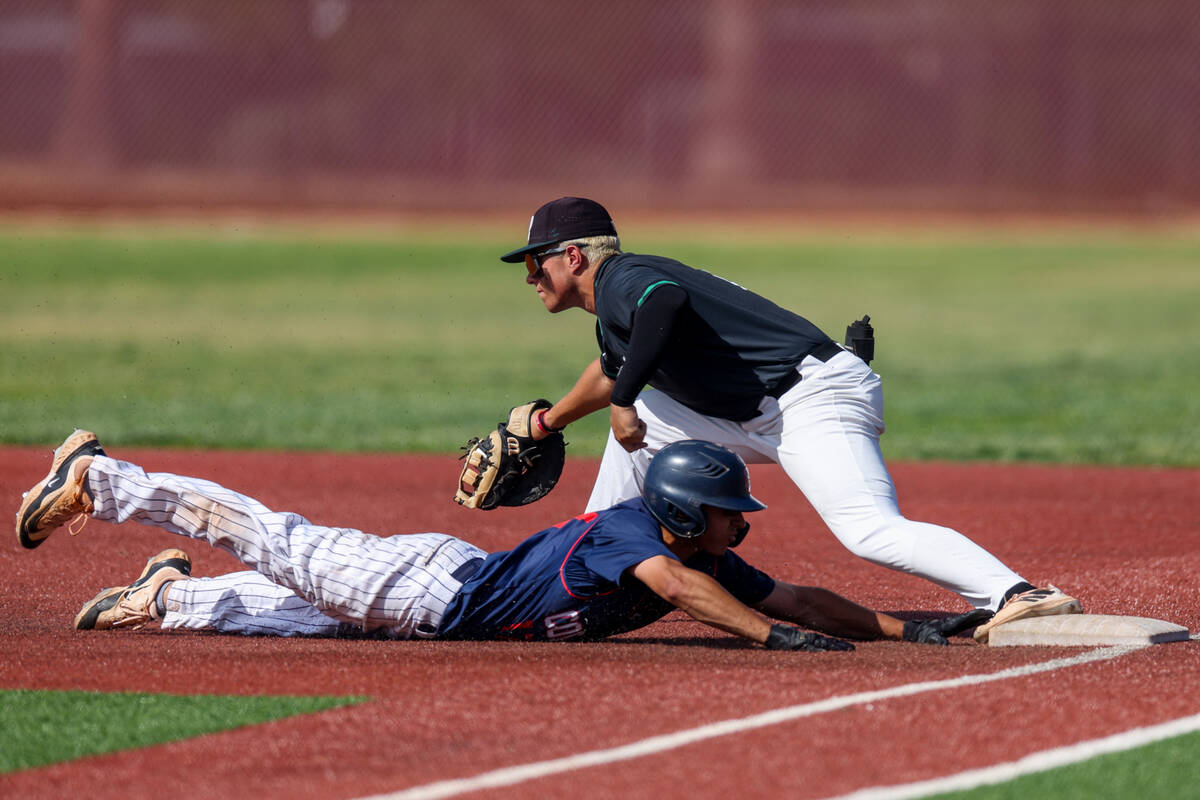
(583, 517)
(562, 576)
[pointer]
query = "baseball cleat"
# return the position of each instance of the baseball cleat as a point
(62, 494)
(134, 605)
(1033, 603)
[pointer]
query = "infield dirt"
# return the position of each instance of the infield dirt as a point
(1124, 541)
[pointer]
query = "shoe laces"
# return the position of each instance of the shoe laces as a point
(75, 527)
(1037, 595)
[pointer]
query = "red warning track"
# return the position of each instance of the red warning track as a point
(1124, 541)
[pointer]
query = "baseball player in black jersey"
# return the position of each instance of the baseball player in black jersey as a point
(685, 354)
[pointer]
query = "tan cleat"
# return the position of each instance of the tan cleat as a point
(1033, 603)
(134, 605)
(60, 495)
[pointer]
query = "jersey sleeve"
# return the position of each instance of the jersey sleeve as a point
(748, 584)
(625, 539)
(625, 287)
(654, 324)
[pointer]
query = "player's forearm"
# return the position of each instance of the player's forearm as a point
(826, 611)
(731, 617)
(590, 393)
(703, 599)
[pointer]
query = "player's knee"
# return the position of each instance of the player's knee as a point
(878, 540)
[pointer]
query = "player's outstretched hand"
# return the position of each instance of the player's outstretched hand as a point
(938, 631)
(785, 637)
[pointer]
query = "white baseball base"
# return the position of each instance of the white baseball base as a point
(1086, 629)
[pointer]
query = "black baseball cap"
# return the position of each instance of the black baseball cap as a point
(562, 219)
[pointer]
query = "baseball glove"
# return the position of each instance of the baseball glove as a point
(509, 468)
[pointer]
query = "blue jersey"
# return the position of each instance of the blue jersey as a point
(570, 581)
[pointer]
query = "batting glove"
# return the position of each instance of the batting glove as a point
(938, 631)
(785, 637)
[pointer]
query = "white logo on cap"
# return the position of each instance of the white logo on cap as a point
(529, 233)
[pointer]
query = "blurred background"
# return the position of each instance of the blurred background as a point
(1072, 106)
(260, 204)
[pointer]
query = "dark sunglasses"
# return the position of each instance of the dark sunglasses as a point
(534, 261)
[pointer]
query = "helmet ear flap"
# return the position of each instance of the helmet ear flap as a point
(686, 525)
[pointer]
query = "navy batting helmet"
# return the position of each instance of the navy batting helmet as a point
(687, 475)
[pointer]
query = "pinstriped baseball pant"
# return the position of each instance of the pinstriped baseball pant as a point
(306, 580)
(824, 432)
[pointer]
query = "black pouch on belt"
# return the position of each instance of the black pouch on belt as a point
(860, 338)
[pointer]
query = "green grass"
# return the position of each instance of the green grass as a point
(1159, 771)
(43, 727)
(46, 727)
(1068, 346)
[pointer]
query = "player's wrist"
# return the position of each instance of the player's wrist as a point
(619, 398)
(540, 420)
(782, 637)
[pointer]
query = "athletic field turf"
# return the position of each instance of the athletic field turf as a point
(1063, 345)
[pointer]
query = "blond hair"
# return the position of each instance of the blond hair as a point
(598, 248)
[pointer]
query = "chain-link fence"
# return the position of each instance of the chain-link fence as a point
(401, 104)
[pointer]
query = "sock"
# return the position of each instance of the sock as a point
(1023, 586)
(160, 599)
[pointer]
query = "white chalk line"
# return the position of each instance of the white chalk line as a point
(508, 776)
(1035, 762)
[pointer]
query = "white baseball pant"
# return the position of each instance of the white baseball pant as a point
(824, 432)
(307, 579)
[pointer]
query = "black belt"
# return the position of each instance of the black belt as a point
(822, 352)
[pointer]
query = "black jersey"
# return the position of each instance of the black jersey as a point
(729, 345)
